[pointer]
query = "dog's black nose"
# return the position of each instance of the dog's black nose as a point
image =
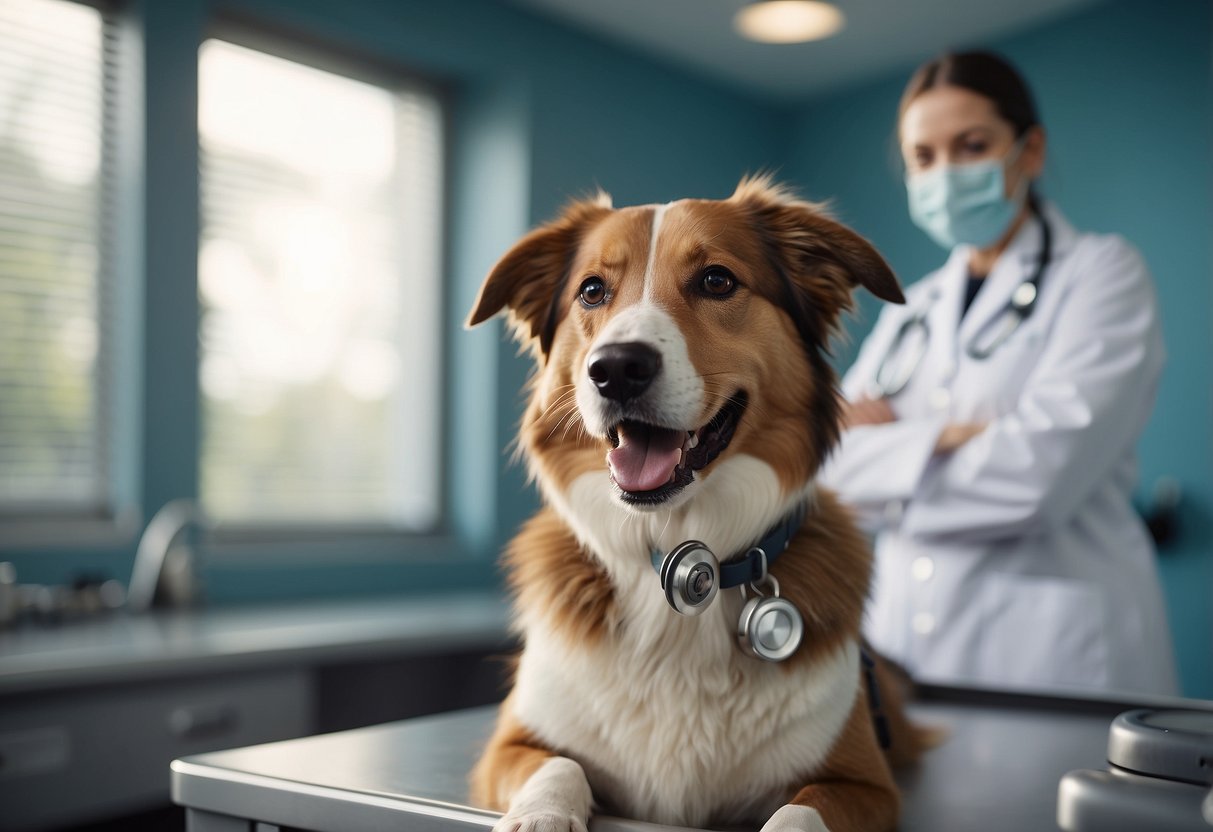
(624, 371)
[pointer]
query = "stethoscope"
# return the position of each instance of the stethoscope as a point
(770, 627)
(909, 344)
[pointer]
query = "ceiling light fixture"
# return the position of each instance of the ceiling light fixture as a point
(788, 21)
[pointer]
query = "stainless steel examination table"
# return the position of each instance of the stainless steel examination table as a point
(999, 770)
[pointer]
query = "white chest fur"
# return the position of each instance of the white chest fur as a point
(670, 720)
(679, 729)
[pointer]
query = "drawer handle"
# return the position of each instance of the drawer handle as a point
(198, 722)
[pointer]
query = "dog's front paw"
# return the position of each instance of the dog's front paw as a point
(793, 818)
(555, 798)
(540, 821)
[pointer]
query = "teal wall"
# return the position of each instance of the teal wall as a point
(1125, 95)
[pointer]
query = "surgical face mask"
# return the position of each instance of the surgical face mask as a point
(968, 204)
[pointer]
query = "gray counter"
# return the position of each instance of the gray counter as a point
(93, 712)
(999, 770)
(123, 648)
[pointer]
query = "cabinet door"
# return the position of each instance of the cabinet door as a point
(76, 756)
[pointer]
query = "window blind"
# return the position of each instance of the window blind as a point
(319, 282)
(57, 62)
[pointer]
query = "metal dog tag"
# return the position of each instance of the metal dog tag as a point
(770, 628)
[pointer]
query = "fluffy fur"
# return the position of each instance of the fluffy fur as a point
(658, 716)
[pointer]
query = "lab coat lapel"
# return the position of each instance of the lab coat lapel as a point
(1064, 237)
(945, 312)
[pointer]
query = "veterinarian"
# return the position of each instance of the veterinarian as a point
(991, 421)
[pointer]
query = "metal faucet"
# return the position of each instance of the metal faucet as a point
(165, 572)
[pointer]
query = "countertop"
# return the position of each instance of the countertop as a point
(123, 648)
(998, 770)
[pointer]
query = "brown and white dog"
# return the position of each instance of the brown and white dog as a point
(682, 391)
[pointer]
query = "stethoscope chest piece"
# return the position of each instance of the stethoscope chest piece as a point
(690, 576)
(770, 627)
(1024, 295)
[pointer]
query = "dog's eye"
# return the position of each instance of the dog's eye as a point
(592, 292)
(718, 282)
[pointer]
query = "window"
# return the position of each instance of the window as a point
(56, 65)
(320, 285)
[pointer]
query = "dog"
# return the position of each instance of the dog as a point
(682, 392)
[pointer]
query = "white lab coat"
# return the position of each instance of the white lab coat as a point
(1018, 560)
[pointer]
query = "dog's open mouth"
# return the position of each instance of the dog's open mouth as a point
(650, 464)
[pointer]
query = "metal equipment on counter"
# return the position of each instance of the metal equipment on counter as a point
(1160, 771)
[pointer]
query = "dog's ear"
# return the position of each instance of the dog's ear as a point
(813, 245)
(528, 281)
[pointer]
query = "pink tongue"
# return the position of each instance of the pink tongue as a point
(645, 459)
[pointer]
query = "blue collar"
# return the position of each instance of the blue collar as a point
(753, 565)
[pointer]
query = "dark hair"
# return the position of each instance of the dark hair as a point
(984, 73)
